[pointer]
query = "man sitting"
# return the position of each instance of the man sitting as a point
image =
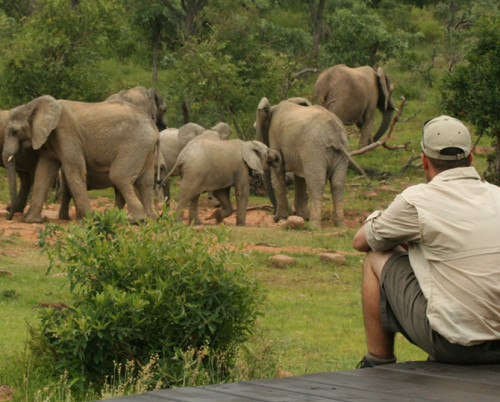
(432, 269)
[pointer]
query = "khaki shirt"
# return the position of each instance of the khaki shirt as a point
(452, 225)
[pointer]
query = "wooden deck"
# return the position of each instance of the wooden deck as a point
(411, 381)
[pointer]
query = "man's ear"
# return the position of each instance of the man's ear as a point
(425, 161)
(471, 158)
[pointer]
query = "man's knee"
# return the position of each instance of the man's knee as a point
(376, 260)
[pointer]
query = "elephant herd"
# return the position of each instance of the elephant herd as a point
(123, 142)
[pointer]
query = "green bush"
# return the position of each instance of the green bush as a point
(137, 291)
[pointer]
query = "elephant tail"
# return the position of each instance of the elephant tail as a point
(176, 165)
(354, 163)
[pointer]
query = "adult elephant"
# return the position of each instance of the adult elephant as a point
(312, 143)
(354, 94)
(148, 100)
(211, 165)
(25, 168)
(115, 139)
(172, 141)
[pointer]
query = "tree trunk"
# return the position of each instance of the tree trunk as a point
(317, 22)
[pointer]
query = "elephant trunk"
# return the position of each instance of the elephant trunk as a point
(10, 164)
(269, 189)
(386, 121)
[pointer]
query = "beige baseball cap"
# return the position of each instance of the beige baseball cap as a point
(445, 132)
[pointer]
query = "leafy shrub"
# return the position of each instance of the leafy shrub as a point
(159, 288)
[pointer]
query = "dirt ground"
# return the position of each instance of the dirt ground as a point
(256, 217)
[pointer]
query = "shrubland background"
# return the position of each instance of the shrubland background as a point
(214, 60)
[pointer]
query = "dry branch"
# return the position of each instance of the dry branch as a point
(387, 137)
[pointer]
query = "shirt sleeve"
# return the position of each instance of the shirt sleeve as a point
(395, 225)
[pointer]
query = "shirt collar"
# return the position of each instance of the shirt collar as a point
(457, 174)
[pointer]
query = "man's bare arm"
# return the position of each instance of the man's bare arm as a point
(359, 241)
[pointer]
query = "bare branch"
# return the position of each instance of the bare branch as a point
(387, 137)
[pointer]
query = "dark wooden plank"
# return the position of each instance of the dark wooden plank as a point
(484, 374)
(247, 391)
(333, 390)
(237, 392)
(426, 386)
(411, 381)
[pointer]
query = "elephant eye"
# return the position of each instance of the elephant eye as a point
(14, 133)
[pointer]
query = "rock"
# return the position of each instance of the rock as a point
(4, 272)
(332, 257)
(295, 222)
(281, 260)
(6, 393)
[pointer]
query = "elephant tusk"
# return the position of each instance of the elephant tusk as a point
(10, 158)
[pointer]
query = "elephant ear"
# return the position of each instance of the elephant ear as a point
(44, 119)
(152, 103)
(385, 87)
(187, 132)
(252, 152)
(223, 129)
(299, 101)
(263, 121)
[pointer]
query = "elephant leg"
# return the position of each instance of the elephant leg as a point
(45, 173)
(145, 185)
(75, 176)
(187, 191)
(24, 191)
(223, 195)
(166, 192)
(279, 184)
(300, 201)
(65, 200)
(242, 191)
(337, 181)
(315, 180)
(119, 200)
(366, 130)
(125, 183)
(193, 211)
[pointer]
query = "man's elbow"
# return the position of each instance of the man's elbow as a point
(359, 241)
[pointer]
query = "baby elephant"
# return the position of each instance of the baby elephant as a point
(208, 165)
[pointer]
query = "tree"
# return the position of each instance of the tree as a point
(56, 50)
(472, 91)
(357, 36)
(316, 12)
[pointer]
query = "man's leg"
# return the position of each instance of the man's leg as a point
(379, 342)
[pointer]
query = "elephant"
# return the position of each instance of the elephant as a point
(312, 143)
(206, 164)
(25, 168)
(172, 141)
(108, 138)
(353, 94)
(147, 100)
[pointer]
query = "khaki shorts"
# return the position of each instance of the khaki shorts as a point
(403, 309)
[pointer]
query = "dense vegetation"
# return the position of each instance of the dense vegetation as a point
(219, 57)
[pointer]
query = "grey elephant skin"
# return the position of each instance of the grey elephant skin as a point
(312, 143)
(206, 164)
(172, 141)
(150, 102)
(354, 95)
(25, 168)
(114, 139)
